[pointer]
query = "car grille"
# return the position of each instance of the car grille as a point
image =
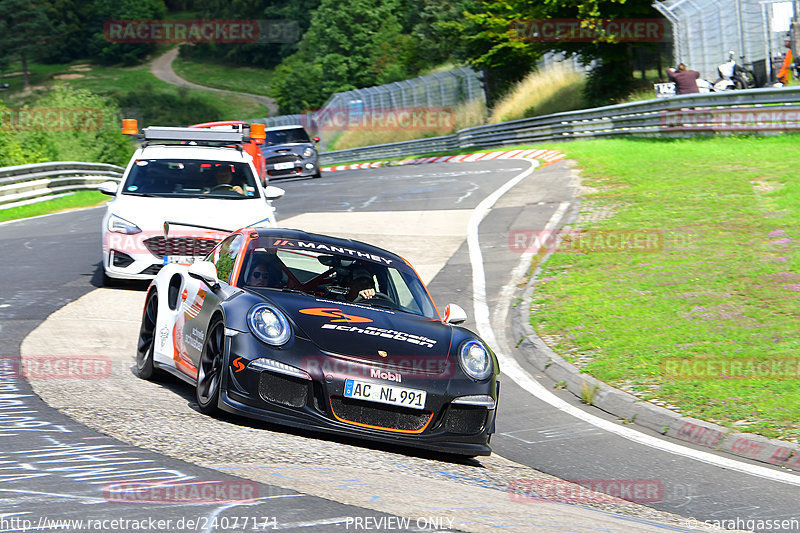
(152, 270)
(283, 159)
(380, 416)
(285, 390)
(194, 246)
(465, 420)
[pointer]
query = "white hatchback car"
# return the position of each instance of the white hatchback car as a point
(200, 182)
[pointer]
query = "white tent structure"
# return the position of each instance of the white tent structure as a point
(705, 30)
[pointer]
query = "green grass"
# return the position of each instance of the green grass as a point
(127, 82)
(723, 285)
(223, 76)
(73, 201)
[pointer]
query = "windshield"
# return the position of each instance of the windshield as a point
(195, 178)
(335, 273)
(291, 135)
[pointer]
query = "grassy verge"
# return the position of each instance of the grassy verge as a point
(223, 76)
(137, 91)
(65, 203)
(706, 319)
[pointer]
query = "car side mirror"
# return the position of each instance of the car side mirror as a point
(108, 187)
(274, 193)
(204, 271)
(454, 314)
(316, 139)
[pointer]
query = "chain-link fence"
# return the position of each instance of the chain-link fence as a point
(440, 90)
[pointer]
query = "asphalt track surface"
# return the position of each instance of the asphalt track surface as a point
(52, 261)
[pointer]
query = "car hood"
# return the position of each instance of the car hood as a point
(377, 335)
(151, 213)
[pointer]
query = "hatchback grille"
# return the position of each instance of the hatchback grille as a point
(283, 159)
(193, 246)
(380, 416)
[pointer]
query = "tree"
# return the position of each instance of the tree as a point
(24, 29)
(70, 22)
(349, 44)
(490, 43)
(104, 51)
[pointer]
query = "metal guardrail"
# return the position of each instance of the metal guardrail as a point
(752, 111)
(26, 184)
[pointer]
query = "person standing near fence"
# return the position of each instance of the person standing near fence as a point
(685, 80)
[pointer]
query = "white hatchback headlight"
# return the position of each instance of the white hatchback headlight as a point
(269, 324)
(120, 225)
(475, 360)
(308, 152)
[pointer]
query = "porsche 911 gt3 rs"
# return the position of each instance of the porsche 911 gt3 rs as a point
(318, 332)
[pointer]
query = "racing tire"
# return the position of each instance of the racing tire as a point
(317, 175)
(209, 371)
(147, 339)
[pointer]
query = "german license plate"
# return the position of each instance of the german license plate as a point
(284, 166)
(390, 394)
(185, 259)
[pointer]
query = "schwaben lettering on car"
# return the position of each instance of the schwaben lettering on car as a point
(337, 314)
(385, 333)
(356, 254)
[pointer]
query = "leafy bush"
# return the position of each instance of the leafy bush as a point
(99, 141)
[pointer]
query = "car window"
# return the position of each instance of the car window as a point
(292, 135)
(224, 256)
(342, 276)
(194, 178)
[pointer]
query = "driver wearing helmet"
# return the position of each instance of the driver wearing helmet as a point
(361, 284)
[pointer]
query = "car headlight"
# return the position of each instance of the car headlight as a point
(269, 324)
(475, 360)
(120, 225)
(308, 152)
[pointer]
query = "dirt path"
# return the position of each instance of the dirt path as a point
(161, 67)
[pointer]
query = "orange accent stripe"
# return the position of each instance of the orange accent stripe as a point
(411, 431)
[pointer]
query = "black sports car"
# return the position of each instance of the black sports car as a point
(318, 332)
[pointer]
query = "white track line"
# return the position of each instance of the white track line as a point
(513, 370)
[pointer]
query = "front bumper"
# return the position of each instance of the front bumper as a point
(318, 403)
(303, 167)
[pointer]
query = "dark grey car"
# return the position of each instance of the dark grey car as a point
(290, 153)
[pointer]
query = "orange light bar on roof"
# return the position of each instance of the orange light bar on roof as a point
(258, 131)
(130, 126)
